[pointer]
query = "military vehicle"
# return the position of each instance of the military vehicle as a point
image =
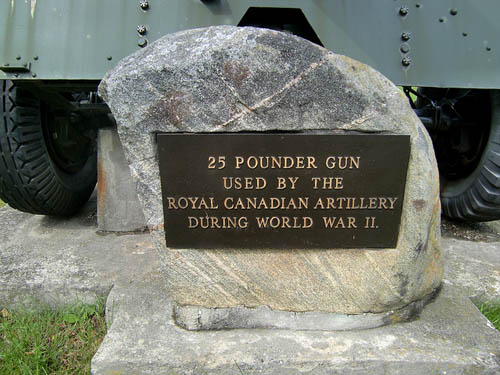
(53, 53)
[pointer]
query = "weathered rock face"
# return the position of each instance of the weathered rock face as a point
(228, 79)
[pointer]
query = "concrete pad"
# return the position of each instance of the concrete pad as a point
(451, 337)
(473, 268)
(61, 261)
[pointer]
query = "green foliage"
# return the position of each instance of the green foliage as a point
(50, 342)
(491, 310)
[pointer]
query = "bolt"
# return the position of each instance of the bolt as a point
(488, 49)
(142, 42)
(18, 57)
(35, 58)
(109, 58)
(442, 19)
(33, 75)
(141, 29)
(406, 61)
(453, 12)
(417, 5)
(405, 48)
(464, 33)
(406, 35)
(403, 11)
(144, 4)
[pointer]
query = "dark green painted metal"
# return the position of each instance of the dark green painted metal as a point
(81, 40)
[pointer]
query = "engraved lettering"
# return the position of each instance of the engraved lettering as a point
(392, 201)
(342, 162)
(370, 222)
(275, 162)
(382, 203)
(214, 222)
(351, 222)
(300, 162)
(328, 183)
(282, 182)
(171, 203)
(193, 222)
(311, 162)
(333, 222)
(272, 203)
(220, 161)
(275, 222)
(245, 183)
(239, 160)
(193, 203)
(259, 191)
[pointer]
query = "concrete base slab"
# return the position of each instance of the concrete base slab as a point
(450, 337)
(473, 267)
(46, 260)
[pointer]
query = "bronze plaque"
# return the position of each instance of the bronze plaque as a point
(287, 190)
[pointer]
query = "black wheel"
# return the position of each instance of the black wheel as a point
(47, 158)
(466, 134)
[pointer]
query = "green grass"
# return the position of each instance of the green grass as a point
(491, 310)
(50, 342)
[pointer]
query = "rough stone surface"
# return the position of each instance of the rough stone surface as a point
(228, 79)
(196, 318)
(450, 337)
(118, 209)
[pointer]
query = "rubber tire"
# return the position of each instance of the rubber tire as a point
(29, 180)
(477, 197)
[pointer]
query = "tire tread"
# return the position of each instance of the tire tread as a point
(481, 200)
(28, 179)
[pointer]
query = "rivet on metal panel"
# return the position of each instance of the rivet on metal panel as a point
(406, 61)
(6, 64)
(16, 74)
(142, 42)
(464, 33)
(35, 58)
(18, 57)
(488, 49)
(403, 11)
(144, 4)
(453, 11)
(405, 35)
(109, 58)
(417, 5)
(33, 75)
(442, 19)
(405, 48)
(141, 29)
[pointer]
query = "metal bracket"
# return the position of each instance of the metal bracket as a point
(17, 67)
